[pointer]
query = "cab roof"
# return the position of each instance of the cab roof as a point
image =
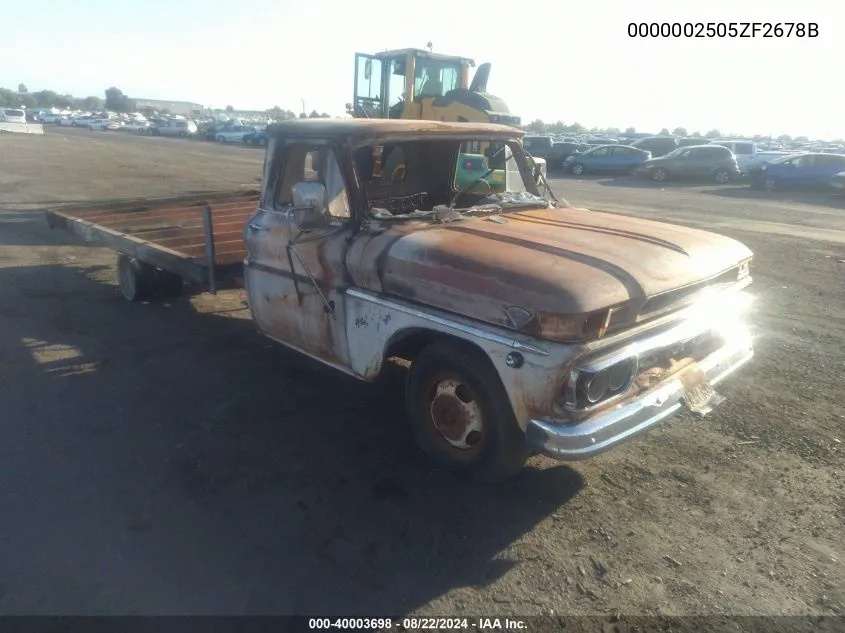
(364, 129)
(426, 54)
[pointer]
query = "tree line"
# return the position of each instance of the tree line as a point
(115, 101)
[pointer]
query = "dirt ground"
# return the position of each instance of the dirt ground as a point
(165, 458)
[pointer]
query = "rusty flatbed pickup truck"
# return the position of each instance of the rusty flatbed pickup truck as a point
(530, 326)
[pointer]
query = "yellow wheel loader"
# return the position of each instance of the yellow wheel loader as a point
(412, 83)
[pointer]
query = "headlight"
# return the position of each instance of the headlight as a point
(596, 386)
(591, 387)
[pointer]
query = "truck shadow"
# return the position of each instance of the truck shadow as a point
(176, 443)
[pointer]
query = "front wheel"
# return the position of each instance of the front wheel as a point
(578, 169)
(658, 175)
(722, 176)
(221, 139)
(461, 415)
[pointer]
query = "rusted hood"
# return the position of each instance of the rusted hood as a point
(552, 263)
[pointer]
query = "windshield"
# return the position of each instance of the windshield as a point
(445, 179)
(781, 159)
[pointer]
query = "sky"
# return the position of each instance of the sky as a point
(551, 60)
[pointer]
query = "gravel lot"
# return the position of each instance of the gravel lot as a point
(165, 458)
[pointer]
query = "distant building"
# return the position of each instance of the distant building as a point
(185, 108)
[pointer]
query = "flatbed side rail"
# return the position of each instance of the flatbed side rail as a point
(199, 238)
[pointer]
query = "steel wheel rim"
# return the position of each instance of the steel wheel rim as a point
(455, 413)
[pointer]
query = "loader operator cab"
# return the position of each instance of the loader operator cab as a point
(418, 84)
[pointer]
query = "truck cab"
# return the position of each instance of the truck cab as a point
(530, 326)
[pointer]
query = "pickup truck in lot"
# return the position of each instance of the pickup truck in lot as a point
(529, 326)
(748, 154)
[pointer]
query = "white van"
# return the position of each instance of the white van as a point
(12, 115)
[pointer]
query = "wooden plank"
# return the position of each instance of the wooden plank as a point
(162, 213)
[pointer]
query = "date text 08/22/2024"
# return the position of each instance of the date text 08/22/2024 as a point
(723, 29)
(418, 624)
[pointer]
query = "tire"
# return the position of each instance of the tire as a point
(220, 139)
(167, 285)
(659, 175)
(769, 184)
(722, 176)
(457, 387)
(578, 169)
(136, 279)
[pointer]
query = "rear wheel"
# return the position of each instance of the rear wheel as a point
(658, 175)
(136, 278)
(770, 184)
(142, 282)
(461, 415)
(221, 139)
(722, 176)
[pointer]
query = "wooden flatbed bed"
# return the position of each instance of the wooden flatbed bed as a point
(197, 237)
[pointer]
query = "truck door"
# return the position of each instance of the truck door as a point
(294, 269)
(369, 101)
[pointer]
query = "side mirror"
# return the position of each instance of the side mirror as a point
(310, 205)
(368, 69)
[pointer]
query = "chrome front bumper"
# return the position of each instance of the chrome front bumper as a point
(606, 429)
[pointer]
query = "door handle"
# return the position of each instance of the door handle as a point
(258, 227)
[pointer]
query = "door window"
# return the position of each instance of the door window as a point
(308, 163)
(804, 161)
(368, 79)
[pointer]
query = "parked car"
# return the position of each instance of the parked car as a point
(657, 145)
(689, 141)
(104, 124)
(699, 161)
(174, 127)
(12, 115)
(564, 149)
(259, 137)
(748, 154)
(542, 147)
(606, 159)
(82, 121)
(49, 117)
(141, 127)
(801, 170)
(233, 134)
